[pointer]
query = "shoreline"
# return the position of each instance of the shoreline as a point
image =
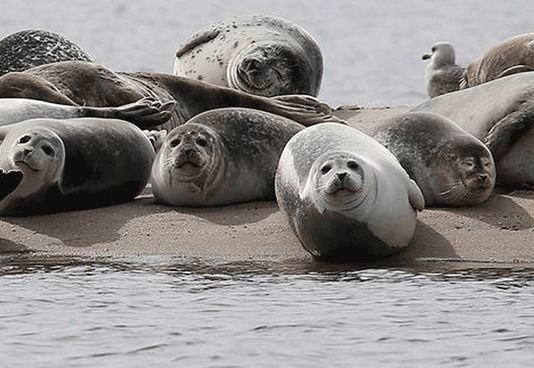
(497, 233)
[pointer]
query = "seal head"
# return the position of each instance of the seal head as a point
(39, 156)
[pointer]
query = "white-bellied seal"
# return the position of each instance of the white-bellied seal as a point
(91, 84)
(262, 55)
(501, 114)
(450, 166)
(345, 196)
(145, 112)
(32, 47)
(442, 74)
(49, 165)
(514, 55)
(221, 157)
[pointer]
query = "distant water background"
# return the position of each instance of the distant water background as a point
(143, 314)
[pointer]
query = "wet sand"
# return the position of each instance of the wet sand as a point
(496, 233)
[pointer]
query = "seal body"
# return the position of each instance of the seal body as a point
(29, 48)
(49, 165)
(262, 55)
(511, 56)
(345, 196)
(501, 114)
(91, 84)
(221, 157)
(450, 166)
(442, 74)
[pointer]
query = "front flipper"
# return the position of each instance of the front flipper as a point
(197, 40)
(415, 196)
(145, 113)
(508, 130)
(306, 110)
(9, 181)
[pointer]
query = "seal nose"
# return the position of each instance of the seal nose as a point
(188, 151)
(483, 178)
(341, 176)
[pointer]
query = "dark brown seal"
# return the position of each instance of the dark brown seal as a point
(84, 83)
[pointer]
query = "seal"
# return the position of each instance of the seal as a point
(501, 114)
(442, 74)
(144, 112)
(258, 54)
(32, 47)
(49, 165)
(221, 157)
(82, 83)
(450, 166)
(345, 196)
(514, 55)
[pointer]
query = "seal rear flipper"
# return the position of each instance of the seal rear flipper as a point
(508, 130)
(9, 181)
(196, 40)
(415, 196)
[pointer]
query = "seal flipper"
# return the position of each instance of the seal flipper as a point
(415, 196)
(196, 40)
(508, 130)
(9, 181)
(514, 70)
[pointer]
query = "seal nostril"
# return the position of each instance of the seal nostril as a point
(342, 176)
(482, 177)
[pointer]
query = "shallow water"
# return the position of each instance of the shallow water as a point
(137, 315)
(150, 312)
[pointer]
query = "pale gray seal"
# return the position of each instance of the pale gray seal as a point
(514, 55)
(501, 114)
(450, 166)
(91, 84)
(145, 112)
(49, 165)
(345, 196)
(442, 74)
(32, 47)
(262, 55)
(221, 157)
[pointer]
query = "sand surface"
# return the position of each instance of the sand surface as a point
(496, 233)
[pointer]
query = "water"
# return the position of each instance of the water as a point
(135, 315)
(153, 312)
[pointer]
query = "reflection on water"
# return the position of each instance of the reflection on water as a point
(74, 313)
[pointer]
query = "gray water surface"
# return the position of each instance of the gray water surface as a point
(252, 315)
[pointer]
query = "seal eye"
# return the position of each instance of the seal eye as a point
(175, 142)
(48, 150)
(202, 142)
(468, 164)
(325, 169)
(24, 139)
(353, 165)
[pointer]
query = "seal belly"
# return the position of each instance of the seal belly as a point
(340, 238)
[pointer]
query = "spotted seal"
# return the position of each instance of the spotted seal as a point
(514, 55)
(33, 47)
(442, 74)
(345, 196)
(221, 157)
(258, 54)
(92, 84)
(49, 165)
(450, 166)
(501, 114)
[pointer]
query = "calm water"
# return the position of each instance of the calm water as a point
(153, 312)
(134, 315)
